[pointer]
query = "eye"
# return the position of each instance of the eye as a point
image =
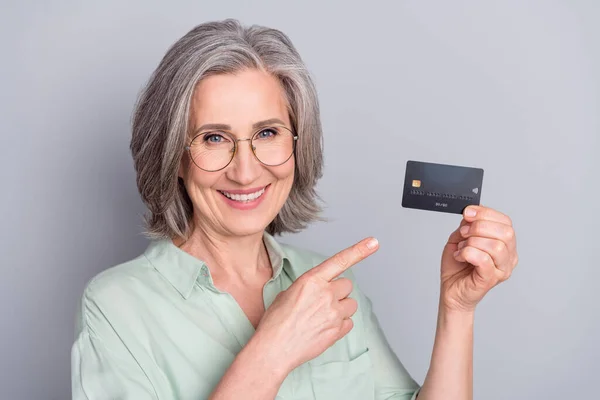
(267, 133)
(214, 138)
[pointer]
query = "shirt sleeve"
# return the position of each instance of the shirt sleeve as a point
(392, 380)
(101, 365)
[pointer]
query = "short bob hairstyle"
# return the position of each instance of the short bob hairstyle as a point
(161, 116)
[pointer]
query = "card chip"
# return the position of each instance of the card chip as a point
(416, 183)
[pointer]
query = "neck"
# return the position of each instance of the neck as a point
(232, 258)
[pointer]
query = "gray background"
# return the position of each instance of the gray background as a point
(509, 86)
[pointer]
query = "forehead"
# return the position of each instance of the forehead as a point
(238, 100)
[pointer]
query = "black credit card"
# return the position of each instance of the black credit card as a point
(441, 187)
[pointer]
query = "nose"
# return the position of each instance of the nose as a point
(244, 168)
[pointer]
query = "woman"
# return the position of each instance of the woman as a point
(227, 149)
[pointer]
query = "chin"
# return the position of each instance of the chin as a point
(246, 228)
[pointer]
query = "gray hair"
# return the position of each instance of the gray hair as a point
(161, 116)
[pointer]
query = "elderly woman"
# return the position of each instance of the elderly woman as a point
(227, 150)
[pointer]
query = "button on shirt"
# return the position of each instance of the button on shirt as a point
(156, 327)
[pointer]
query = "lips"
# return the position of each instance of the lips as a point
(243, 197)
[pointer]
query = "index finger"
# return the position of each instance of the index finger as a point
(340, 262)
(486, 213)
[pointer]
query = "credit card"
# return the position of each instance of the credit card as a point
(441, 187)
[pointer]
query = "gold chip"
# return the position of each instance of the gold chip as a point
(416, 183)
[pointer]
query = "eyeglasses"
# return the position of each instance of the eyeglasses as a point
(212, 151)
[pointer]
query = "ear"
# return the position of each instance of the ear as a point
(180, 171)
(182, 163)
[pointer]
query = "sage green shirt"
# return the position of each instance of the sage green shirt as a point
(156, 327)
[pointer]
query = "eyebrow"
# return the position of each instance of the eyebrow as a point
(226, 127)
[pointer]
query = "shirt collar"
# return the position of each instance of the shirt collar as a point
(182, 270)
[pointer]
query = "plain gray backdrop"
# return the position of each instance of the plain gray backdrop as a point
(512, 87)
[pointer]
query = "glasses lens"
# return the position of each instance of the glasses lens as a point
(273, 146)
(211, 151)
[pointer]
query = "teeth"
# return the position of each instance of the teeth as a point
(244, 197)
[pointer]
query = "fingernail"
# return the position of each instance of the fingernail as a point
(456, 253)
(470, 212)
(464, 229)
(371, 244)
(461, 244)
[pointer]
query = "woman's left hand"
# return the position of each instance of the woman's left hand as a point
(475, 261)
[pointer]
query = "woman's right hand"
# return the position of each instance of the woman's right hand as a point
(314, 312)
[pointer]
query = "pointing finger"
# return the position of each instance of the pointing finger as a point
(340, 262)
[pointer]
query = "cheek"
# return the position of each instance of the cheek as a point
(285, 179)
(285, 172)
(200, 182)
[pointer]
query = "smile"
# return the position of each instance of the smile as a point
(245, 197)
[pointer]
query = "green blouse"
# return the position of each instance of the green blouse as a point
(156, 327)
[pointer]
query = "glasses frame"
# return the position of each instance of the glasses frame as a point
(235, 141)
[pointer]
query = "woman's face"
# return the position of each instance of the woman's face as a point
(244, 197)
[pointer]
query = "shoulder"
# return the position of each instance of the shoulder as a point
(119, 278)
(114, 288)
